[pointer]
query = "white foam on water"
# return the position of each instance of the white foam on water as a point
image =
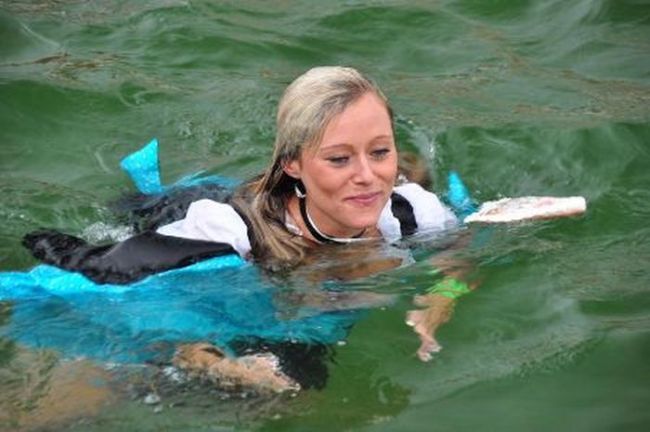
(101, 232)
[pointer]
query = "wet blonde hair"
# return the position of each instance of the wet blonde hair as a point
(307, 106)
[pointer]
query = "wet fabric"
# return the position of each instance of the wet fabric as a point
(218, 300)
(128, 261)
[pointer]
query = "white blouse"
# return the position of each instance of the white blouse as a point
(218, 222)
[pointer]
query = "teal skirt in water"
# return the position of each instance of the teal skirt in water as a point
(218, 300)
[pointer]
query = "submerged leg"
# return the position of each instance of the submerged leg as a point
(260, 371)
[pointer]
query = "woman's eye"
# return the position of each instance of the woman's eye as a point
(338, 160)
(380, 153)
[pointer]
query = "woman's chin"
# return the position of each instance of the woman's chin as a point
(358, 225)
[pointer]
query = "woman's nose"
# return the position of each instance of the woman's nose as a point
(363, 170)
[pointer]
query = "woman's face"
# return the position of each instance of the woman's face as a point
(350, 175)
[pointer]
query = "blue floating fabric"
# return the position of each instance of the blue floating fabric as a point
(458, 196)
(142, 166)
(217, 300)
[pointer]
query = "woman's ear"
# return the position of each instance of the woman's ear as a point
(292, 168)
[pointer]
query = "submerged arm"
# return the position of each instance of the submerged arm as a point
(437, 304)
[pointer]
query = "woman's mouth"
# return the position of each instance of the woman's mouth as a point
(364, 200)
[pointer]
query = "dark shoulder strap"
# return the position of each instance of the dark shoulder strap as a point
(403, 211)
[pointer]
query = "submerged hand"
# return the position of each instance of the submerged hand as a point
(428, 344)
(425, 322)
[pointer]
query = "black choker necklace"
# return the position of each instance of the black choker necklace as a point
(319, 236)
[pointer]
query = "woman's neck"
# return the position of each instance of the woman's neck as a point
(311, 229)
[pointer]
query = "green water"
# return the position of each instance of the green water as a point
(522, 97)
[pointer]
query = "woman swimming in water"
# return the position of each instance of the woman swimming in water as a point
(333, 179)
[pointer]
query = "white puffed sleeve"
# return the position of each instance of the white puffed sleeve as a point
(388, 224)
(430, 213)
(211, 221)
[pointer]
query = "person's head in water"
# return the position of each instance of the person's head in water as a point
(335, 143)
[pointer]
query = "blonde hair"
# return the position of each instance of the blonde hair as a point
(307, 106)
